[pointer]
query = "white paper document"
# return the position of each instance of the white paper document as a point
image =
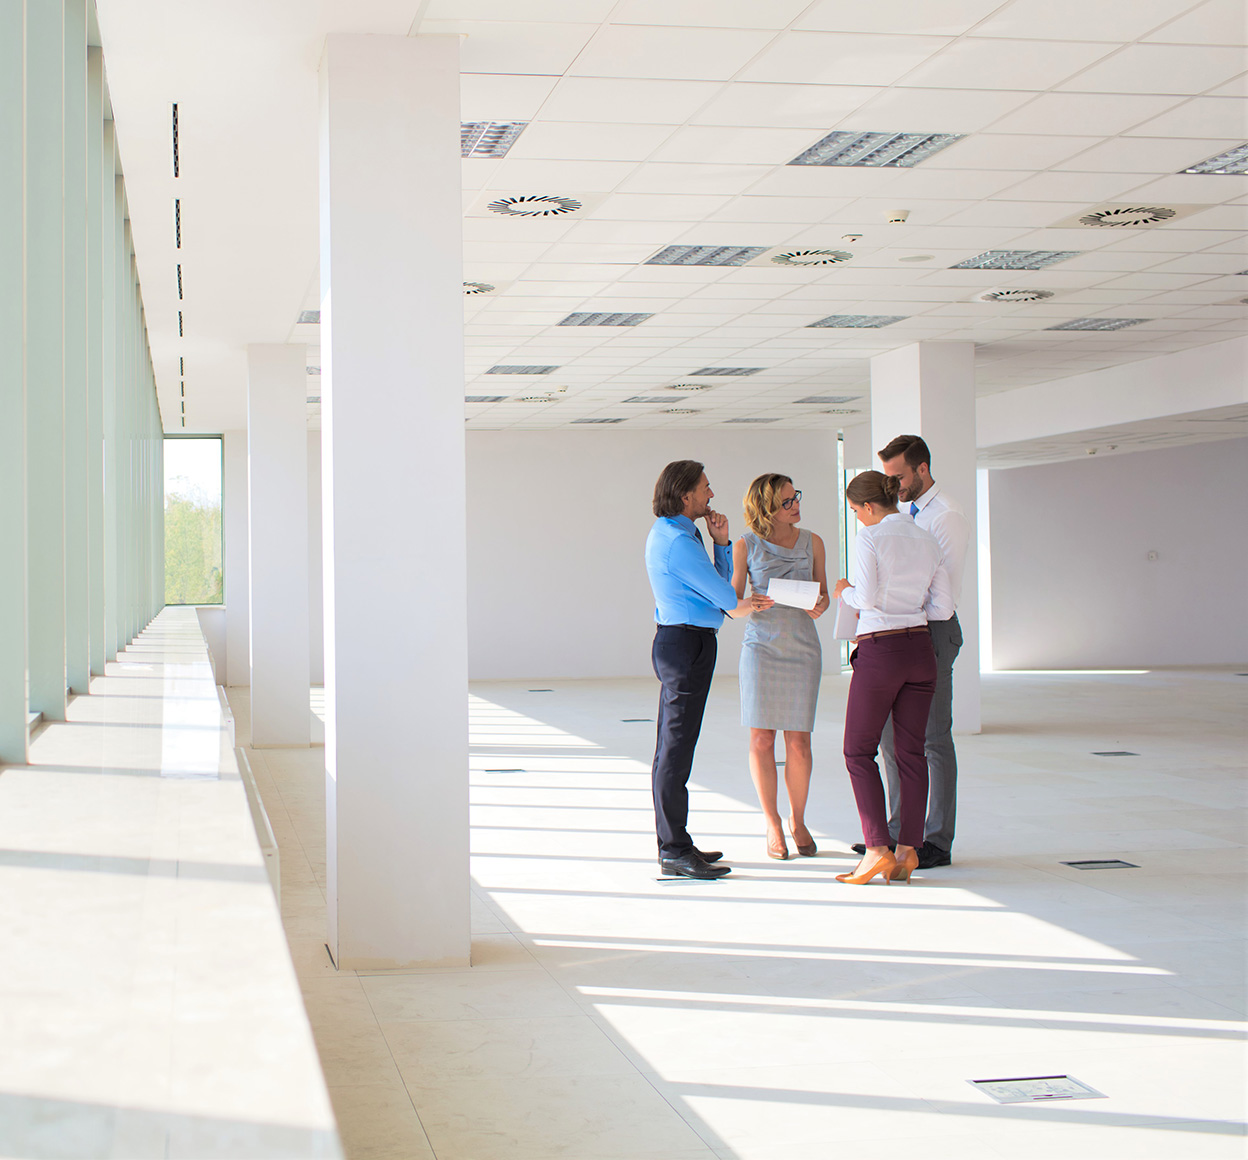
(794, 593)
(846, 621)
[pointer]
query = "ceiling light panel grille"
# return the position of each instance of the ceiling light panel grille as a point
(1015, 259)
(520, 370)
(1232, 161)
(309, 318)
(647, 399)
(705, 255)
(828, 400)
(1098, 324)
(858, 321)
(484, 398)
(604, 319)
(598, 420)
(706, 371)
(488, 138)
(893, 150)
(751, 420)
(1019, 295)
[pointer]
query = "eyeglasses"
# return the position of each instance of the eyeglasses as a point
(788, 503)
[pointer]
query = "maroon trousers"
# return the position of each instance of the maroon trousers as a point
(897, 675)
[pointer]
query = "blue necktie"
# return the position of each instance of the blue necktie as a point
(914, 510)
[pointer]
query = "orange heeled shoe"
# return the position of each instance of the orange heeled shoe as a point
(884, 864)
(904, 867)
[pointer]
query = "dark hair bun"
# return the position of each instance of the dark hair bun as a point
(891, 487)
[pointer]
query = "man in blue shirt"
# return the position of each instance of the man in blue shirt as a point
(691, 597)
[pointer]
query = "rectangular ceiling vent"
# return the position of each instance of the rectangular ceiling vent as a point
(1232, 161)
(1098, 324)
(705, 255)
(648, 399)
(705, 371)
(520, 370)
(858, 321)
(751, 420)
(177, 222)
(604, 319)
(597, 420)
(828, 400)
(894, 150)
(1015, 259)
(176, 160)
(488, 138)
(179, 281)
(309, 318)
(484, 398)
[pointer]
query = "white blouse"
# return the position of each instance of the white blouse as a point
(899, 580)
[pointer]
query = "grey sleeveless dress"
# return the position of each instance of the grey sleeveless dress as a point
(781, 660)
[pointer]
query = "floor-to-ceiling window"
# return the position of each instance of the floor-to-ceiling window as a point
(194, 571)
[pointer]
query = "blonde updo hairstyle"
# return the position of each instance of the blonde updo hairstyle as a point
(762, 501)
(873, 487)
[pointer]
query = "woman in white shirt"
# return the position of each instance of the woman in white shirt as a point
(899, 585)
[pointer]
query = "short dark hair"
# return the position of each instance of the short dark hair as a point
(675, 482)
(911, 446)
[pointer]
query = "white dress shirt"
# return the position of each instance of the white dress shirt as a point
(945, 519)
(899, 580)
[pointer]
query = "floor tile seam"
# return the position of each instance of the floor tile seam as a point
(295, 829)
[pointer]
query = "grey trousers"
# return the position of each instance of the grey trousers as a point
(942, 761)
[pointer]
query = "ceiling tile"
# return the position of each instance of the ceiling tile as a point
(663, 177)
(1146, 68)
(1214, 22)
(1072, 187)
(1004, 64)
(710, 13)
(1236, 88)
(823, 181)
(559, 177)
(624, 50)
(1008, 151)
(629, 101)
(783, 105)
(724, 145)
(587, 141)
(930, 110)
(1078, 19)
(930, 18)
(514, 47)
(644, 206)
(1099, 114)
(1198, 189)
(1199, 117)
(1020, 214)
(523, 10)
(502, 96)
(841, 58)
(1159, 155)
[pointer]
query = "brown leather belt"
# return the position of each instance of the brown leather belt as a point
(916, 628)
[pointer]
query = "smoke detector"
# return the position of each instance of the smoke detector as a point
(897, 216)
(807, 258)
(1126, 216)
(1014, 295)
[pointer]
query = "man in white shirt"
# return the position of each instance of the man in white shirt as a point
(907, 457)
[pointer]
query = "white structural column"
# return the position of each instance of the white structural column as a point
(277, 488)
(77, 402)
(393, 448)
(928, 389)
(97, 239)
(110, 324)
(234, 531)
(13, 654)
(45, 385)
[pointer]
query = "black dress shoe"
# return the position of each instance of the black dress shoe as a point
(861, 847)
(931, 856)
(709, 855)
(691, 866)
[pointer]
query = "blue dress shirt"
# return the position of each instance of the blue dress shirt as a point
(687, 588)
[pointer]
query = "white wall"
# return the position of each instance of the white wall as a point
(316, 595)
(557, 524)
(234, 530)
(1072, 584)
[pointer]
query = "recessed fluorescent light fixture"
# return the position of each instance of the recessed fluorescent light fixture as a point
(604, 319)
(1232, 161)
(488, 138)
(704, 255)
(647, 399)
(894, 150)
(309, 318)
(859, 321)
(750, 420)
(828, 400)
(484, 398)
(520, 370)
(597, 420)
(1098, 324)
(1015, 259)
(729, 371)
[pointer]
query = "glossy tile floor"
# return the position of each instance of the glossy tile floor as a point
(777, 1013)
(147, 1004)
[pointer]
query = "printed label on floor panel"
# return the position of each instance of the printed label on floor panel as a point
(1102, 864)
(1030, 1089)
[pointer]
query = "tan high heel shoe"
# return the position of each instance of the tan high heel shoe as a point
(904, 867)
(809, 850)
(884, 864)
(780, 853)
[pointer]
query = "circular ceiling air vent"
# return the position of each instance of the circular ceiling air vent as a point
(681, 411)
(1014, 295)
(840, 411)
(690, 387)
(811, 257)
(479, 288)
(535, 205)
(535, 399)
(1146, 215)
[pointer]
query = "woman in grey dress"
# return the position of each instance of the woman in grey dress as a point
(781, 660)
